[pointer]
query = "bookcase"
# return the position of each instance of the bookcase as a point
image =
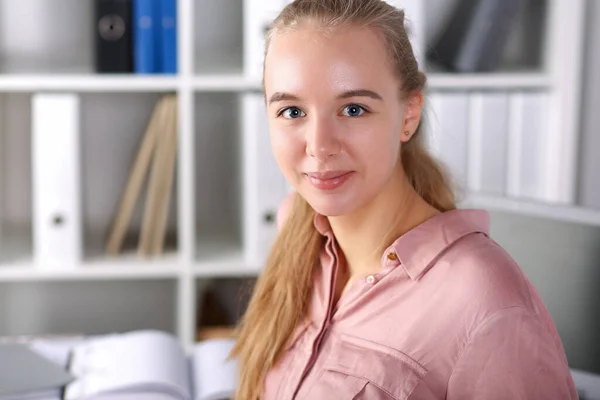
(218, 211)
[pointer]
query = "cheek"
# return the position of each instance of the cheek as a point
(288, 151)
(376, 150)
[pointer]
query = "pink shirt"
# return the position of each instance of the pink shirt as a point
(449, 316)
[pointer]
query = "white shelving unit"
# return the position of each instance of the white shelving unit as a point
(208, 215)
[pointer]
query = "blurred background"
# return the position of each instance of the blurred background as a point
(137, 189)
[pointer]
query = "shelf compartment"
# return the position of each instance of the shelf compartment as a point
(34, 308)
(218, 36)
(112, 128)
(50, 37)
(217, 179)
(220, 304)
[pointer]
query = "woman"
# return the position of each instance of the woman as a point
(377, 286)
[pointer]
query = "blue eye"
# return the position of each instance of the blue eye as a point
(353, 110)
(292, 113)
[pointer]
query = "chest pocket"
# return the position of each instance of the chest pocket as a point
(358, 369)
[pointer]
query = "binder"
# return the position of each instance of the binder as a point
(448, 132)
(414, 21)
(113, 36)
(145, 36)
(527, 147)
(265, 187)
(488, 141)
(258, 15)
(57, 231)
(2, 174)
(168, 36)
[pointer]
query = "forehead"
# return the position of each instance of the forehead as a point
(341, 59)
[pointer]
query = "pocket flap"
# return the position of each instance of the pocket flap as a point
(389, 369)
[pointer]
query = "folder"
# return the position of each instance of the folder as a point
(265, 187)
(57, 225)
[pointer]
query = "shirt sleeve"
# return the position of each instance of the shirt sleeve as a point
(511, 355)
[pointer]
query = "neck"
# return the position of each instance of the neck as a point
(365, 233)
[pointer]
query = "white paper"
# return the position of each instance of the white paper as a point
(214, 377)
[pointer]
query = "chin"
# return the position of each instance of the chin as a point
(331, 205)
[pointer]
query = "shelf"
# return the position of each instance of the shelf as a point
(436, 80)
(225, 269)
(575, 214)
(104, 270)
(236, 82)
(88, 83)
(220, 257)
(504, 81)
(224, 82)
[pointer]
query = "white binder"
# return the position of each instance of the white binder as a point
(57, 231)
(488, 141)
(414, 20)
(448, 123)
(265, 187)
(258, 16)
(528, 146)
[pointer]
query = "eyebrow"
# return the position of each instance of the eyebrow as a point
(282, 96)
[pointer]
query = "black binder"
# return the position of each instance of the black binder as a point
(114, 37)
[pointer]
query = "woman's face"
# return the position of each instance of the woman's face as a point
(336, 116)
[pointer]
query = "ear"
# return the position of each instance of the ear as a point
(412, 115)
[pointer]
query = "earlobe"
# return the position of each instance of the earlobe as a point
(412, 115)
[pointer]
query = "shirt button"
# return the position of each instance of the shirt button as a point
(370, 279)
(392, 256)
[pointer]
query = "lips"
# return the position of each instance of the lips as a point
(327, 174)
(328, 180)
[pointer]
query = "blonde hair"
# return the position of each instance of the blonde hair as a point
(281, 295)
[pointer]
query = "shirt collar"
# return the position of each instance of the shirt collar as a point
(322, 225)
(418, 248)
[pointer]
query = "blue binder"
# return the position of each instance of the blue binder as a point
(168, 36)
(145, 36)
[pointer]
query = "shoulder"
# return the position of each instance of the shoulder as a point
(489, 277)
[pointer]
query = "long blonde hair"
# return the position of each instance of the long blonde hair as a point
(281, 295)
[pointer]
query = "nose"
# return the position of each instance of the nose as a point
(322, 140)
